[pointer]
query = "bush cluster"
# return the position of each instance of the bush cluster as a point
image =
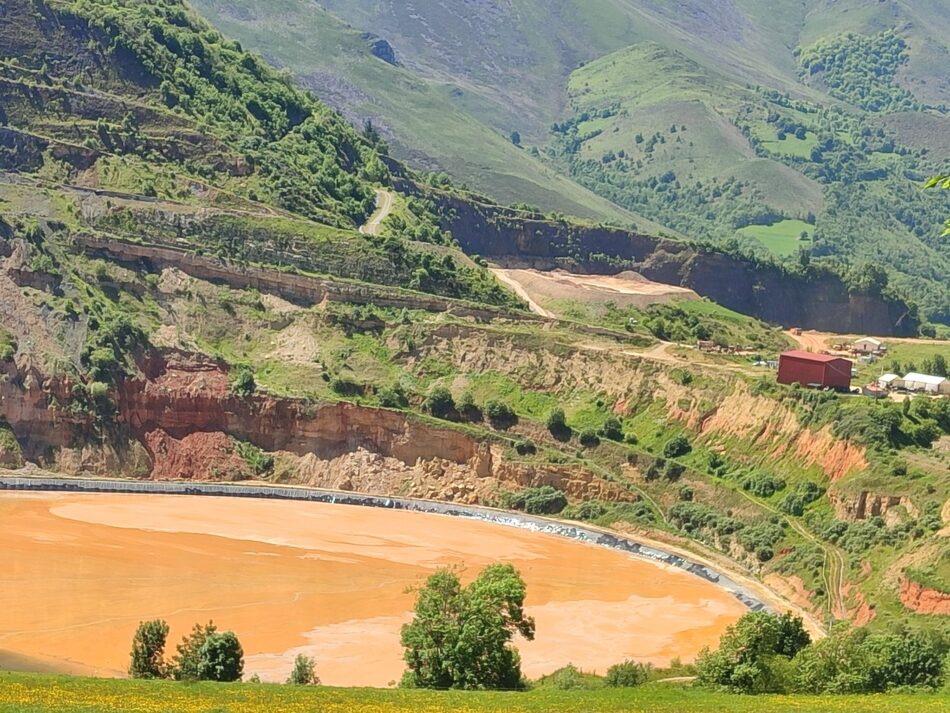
(764, 653)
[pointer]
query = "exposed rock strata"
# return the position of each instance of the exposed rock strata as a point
(923, 600)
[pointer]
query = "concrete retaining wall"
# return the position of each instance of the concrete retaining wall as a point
(500, 517)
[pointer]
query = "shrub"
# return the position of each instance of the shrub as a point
(674, 471)
(243, 383)
(762, 485)
(500, 414)
(613, 429)
(392, 397)
(681, 377)
(546, 500)
(8, 345)
(795, 502)
(677, 447)
(440, 402)
(468, 409)
(304, 672)
(345, 386)
(589, 438)
(525, 448)
(260, 462)
(557, 424)
(587, 510)
(627, 675)
(567, 679)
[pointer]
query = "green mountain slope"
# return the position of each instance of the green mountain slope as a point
(431, 120)
(212, 149)
(777, 131)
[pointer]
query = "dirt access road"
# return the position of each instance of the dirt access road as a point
(815, 341)
(384, 206)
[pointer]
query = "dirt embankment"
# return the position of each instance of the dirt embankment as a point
(180, 421)
(768, 425)
(923, 600)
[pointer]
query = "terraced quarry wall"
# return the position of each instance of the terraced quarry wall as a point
(821, 301)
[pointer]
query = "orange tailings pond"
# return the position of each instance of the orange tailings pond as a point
(80, 571)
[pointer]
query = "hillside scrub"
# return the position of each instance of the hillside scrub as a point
(764, 653)
(545, 500)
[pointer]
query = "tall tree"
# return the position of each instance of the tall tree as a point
(185, 666)
(148, 650)
(751, 652)
(461, 637)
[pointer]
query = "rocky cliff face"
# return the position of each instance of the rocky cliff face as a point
(821, 301)
(866, 505)
(179, 420)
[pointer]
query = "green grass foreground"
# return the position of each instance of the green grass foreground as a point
(28, 693)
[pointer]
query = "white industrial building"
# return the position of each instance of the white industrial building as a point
(890, 381)
(925, 383)
(868, 345)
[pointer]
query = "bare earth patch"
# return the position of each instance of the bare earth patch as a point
(625, 289)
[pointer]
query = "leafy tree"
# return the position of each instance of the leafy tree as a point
(854, 661)
(440, 402)
(752, 654)
(186, 664)
(834, 664)
(392, 397)
(148, 650)
(468, 408)
(460, 637)
(221, 658)
(304, 672)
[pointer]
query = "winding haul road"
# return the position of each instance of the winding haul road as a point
(384, 206)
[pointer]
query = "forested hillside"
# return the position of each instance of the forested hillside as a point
(804, 131)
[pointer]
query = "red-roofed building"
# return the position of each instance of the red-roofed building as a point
(818, 370)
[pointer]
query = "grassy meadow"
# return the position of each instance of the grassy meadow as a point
(781, 238)
(31, 693)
